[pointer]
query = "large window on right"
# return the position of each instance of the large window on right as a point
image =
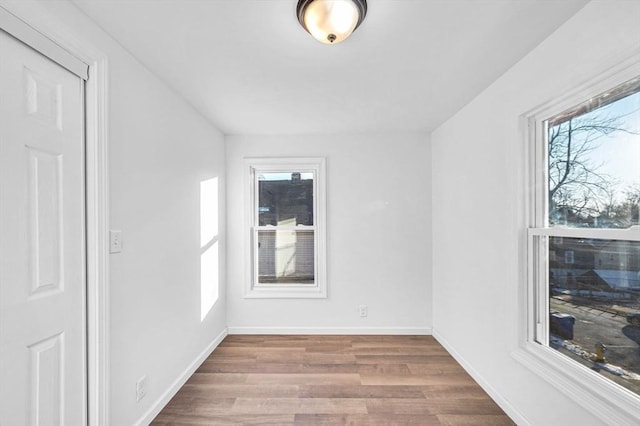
(584, 245)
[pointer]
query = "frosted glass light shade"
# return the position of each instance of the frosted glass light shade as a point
(331, 21)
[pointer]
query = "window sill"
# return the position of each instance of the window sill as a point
(288, 292)
(606, 400)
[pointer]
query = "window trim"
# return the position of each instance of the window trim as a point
(253, 166)
(600, 396)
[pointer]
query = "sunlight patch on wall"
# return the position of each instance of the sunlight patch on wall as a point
(209, 261)
(208, 211)
(208, 279)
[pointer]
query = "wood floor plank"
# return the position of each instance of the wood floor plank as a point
(474, 420)
(329, 358)
(300, 406)
(431, 368)
(396, 359)
(306, 340)
(394, 350)
(307, 379)
(396, 338)
(204, 391)
(248, 358)
(330, 368)
(365, 419)
(454, 392)
(331, 380)
(199, 406)
(221, 420)
(394, 369)
(242, 339)
(412, 406)
(235, 378)
(261, 351)
(331, 391)
(413, 380)
(400, 343)
(463, 406)
(289, 356)
(255, 367)
(328, 348)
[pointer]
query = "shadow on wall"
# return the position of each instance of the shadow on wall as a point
(209, 261)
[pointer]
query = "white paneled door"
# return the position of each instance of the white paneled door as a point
(42, 240)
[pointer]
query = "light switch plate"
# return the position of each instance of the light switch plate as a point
(115, 241)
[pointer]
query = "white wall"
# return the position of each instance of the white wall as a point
(378, 235)
(160, 151)
(478, 208)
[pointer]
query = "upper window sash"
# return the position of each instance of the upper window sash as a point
(623, 82)
(278, 168)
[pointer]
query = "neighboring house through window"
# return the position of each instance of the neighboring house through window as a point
(568, 257)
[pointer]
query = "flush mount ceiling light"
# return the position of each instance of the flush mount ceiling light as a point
(331, 21)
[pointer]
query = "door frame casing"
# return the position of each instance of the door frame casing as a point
(36, 16)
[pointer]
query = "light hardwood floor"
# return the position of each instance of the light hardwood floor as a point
(331, 380)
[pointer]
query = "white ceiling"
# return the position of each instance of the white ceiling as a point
(250, 68)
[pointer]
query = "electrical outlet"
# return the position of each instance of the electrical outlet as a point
(363, 310)
(115, 241)
(141, 388)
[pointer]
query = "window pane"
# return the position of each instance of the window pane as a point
(594, 162)
(285, 199)
(286, 257)
(595, 300)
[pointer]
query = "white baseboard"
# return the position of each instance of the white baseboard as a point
(164, 399)
(484, 384)
(422, 331)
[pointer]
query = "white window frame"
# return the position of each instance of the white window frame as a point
(255, 166)
(606, 400)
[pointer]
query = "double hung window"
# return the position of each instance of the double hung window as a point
(584, 240)
(286, 224)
